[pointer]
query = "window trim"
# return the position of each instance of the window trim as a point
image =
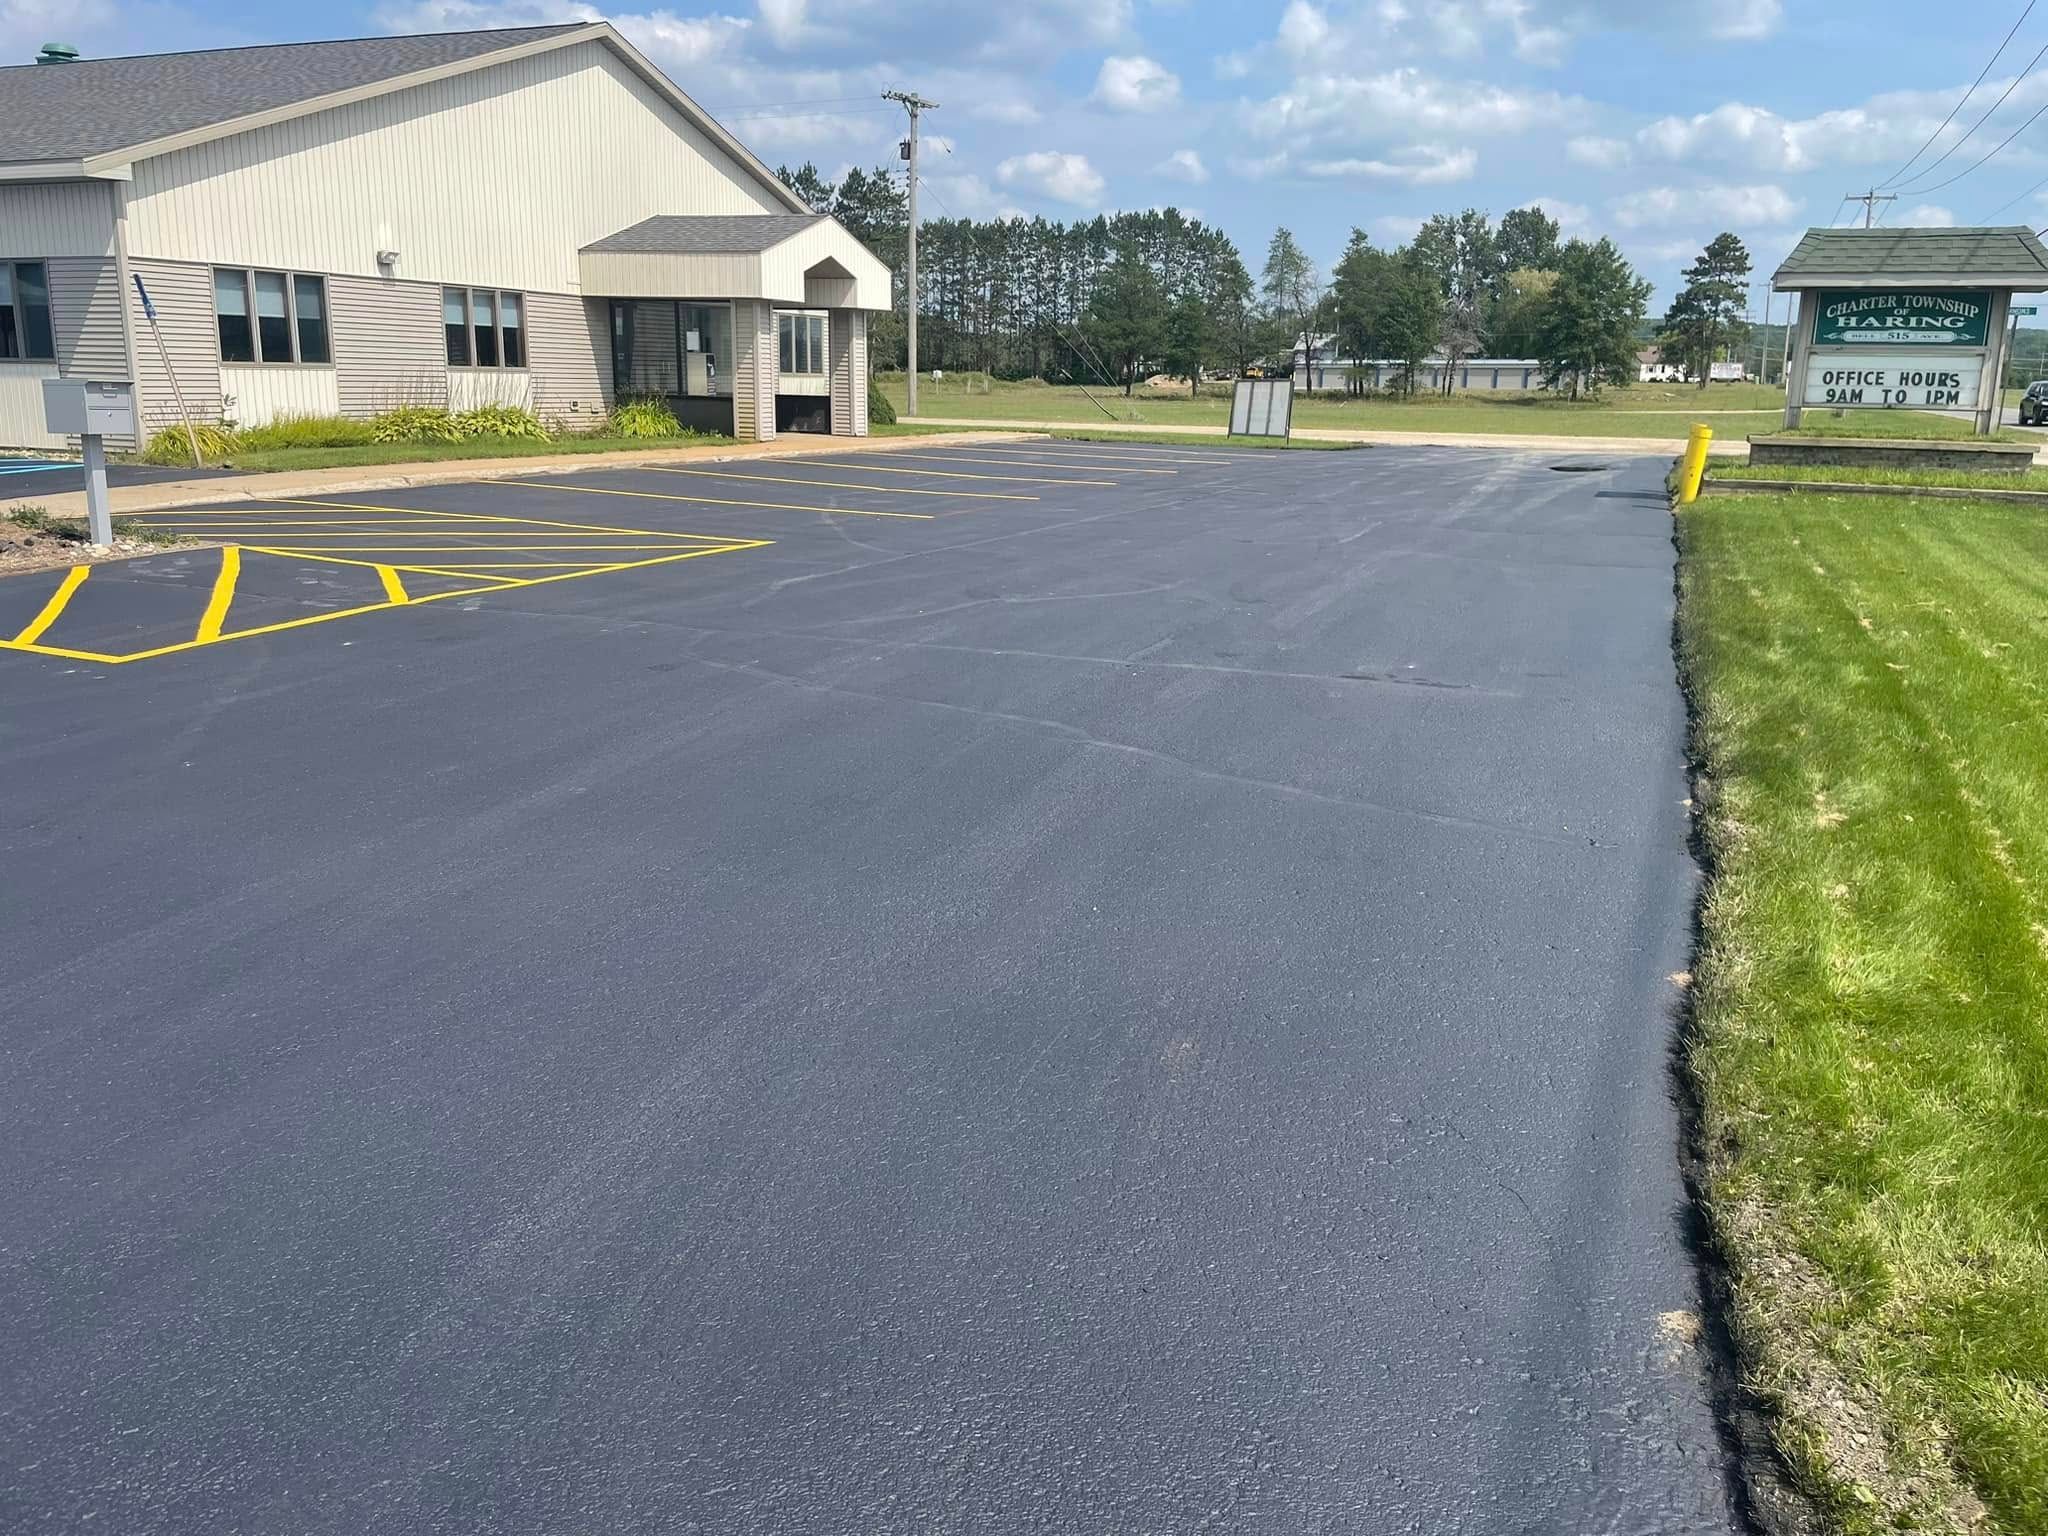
(497, 327)
(14, 264)
(292, 279)
(816, 340)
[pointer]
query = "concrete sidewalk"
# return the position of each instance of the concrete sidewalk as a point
(1649, 447)
(285, 483)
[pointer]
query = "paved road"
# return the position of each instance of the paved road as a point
(24, 478)
(1141, 1010)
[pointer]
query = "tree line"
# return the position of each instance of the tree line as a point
(1113, 299)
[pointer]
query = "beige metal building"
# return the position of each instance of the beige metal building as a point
(536, 217)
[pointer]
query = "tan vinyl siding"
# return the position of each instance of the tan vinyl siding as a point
(753, 371)
(568, 350)
(59, 218)
(388, 345)
(495, 177)
(183, 295)
(839, 368)
(85, 313)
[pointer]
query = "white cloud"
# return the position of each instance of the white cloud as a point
(1304, 30)
(1601, 154)
(1661, 207)
(1260, 167)
(1395, 228)
(1330, 107)
(1571, 217)
(783, 21)
(1135, 83)
(1930, 215)
(1183, 165)
(1744, 20)
(1069, 178)
(1426, 165)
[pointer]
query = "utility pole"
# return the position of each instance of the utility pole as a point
(913, 104)
(1870, 200)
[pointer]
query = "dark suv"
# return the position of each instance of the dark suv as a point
(2034, 405)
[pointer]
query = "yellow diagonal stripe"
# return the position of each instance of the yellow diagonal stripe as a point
(841, 485)
(956, 474)
(223, 593)
(73, 580)
(711, 501)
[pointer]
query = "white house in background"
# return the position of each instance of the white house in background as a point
(537, 217)
(1321, 368)
(1652, 369)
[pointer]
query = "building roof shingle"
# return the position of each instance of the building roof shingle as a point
(1999, 256)
(669, 234)
(97, 106)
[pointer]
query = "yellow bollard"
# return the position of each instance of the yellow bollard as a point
(1694, 465)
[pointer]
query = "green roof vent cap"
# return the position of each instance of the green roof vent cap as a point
(57, 53)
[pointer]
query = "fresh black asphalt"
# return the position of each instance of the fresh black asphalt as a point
(24, 478)
(1141, 1011)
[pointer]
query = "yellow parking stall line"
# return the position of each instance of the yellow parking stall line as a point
(954, 474)
(1134, 455)
(521, 522)
(394, 589)
(842, 485)
(223, 594)
(373, 565)
(714, 501)
(975, 458)
(285, 531)
(487, 549)
(73, 580)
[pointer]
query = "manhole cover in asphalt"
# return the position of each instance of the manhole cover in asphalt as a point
(1580, 469)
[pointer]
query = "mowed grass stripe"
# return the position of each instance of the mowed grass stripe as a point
(1873, 982)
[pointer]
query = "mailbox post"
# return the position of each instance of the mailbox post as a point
(92, 410)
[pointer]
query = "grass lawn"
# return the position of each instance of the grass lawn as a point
(2025, 480)
(1870, 1036)
(1817, 423)
(353, 454)
(1650, 411)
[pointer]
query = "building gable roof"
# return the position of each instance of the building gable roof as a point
(93, 106)
(94, 116)
(2005, 256)
(707, 234)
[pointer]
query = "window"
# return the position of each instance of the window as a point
(272, 317)
(485, 328)
(801, 340)
(455, 321)
(309, 298)
(25, 332)
(231, 313)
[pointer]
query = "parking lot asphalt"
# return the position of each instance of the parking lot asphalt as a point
(1140, 1005)
(26, 477)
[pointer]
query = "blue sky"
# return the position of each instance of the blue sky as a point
(1654, 123)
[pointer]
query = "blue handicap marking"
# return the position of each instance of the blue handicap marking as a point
(35, 466)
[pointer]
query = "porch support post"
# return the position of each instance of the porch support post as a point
(753, 370)
(847, 360)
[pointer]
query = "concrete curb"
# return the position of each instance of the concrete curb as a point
(1637, 447)
(1714, 487)
(282, 484)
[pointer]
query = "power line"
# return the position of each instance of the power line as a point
(1952, 111)
(1935, 164)
(1994, 213)
(2023, 127)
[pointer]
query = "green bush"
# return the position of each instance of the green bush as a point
(879, 408)
(415, 424)
(501, 421)
(306, 432)
(217, 442)
(645, 417)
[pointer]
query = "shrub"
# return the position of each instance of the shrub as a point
(501, 421)
(415, 424)
(217, 441)
(645, 417)
(879, 408)
(306, 432)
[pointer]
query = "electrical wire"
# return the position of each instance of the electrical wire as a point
(1994, 213)
(1959, 175)
(1901, 171)
(1935, 164)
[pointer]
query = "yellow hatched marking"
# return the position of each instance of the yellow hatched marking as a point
(713, 501)
(975, 458)
(73, 580)
(842, 485)
(499, 584)
(956, 474)
(394, 589)
(223, 594)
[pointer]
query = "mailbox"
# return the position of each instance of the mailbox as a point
(89, 407)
